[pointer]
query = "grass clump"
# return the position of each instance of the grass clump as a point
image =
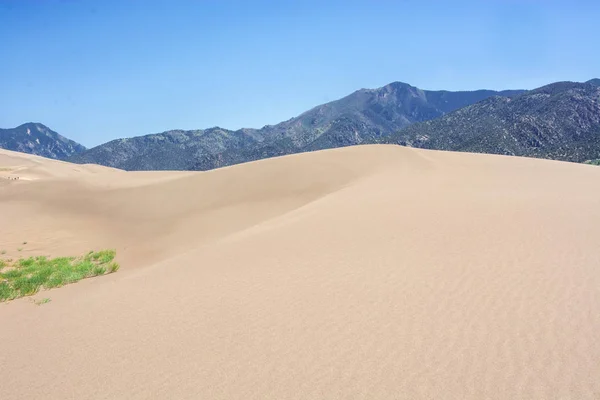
(28, 275)
(42, 301)
(593, 162)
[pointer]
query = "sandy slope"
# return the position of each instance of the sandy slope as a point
(374, 272)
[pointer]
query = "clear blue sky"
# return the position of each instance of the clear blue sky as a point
(98, 70)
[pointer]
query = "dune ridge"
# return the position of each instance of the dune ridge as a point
(363, 272)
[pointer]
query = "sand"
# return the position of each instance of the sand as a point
(371, 272)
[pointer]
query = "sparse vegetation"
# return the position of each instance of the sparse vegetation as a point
(3, 252)
(593, 162)
(42, 301)
(27, 276)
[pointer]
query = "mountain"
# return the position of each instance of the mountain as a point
(364, 116)
(594, 81)
(171, 150)
(560, 121)
(38, 139)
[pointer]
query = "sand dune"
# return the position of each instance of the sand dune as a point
(371, 272)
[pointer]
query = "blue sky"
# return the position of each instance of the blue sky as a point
(97, 70)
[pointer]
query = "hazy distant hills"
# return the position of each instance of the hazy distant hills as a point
(34, 138)
(363, 116)
(559, 121)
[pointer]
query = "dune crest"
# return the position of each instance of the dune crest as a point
(369, 272)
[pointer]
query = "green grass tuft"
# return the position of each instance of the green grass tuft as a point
(113, 267)
(29, 275)
(6, 291)
(98, 270)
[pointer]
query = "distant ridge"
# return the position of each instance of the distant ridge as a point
(594, 81)
(559, 121)
(38, 139)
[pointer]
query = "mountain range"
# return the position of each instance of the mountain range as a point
(364, 116)
(559, 121)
